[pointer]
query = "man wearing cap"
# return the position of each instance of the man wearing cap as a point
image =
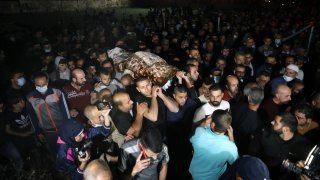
(213, 150)
(215, 103)
(290, 73)
(247, 167)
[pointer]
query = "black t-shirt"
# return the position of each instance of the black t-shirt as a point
(19, 122)
(245, 123)
(160, 123)
(273, 150)
(122, 120)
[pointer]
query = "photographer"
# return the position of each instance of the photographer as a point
(279, 142)
(74, 143)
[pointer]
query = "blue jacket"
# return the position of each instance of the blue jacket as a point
(67, 158)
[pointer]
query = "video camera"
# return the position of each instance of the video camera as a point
(83, 147)
(311, 165)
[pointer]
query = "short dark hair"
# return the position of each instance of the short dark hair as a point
(306, 110)
(100, 51)
(222, 120)
(239, 66)
(215, 87)
(14, 72)
(264, 73)
(143, 78)
(105, 71)
(12, 101)
(152, 139)
(208, 81)
(179, 88)
(288, 120)
(40, 74)
(188, 67)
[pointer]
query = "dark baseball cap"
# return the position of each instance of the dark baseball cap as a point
(252, 168)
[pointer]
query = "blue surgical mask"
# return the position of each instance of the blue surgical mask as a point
(42, 89)
(21, 81)
(287, 78)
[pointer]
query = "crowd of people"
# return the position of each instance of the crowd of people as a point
(241, 103)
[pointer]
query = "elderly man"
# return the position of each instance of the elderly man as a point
(290, 74)
(77, 93)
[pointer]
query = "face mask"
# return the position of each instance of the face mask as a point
(42, 89)
(287, 78)
(253, 46)
(21, 81)
(216, 79)
(47, 50)
(277, 41)
(235, 36)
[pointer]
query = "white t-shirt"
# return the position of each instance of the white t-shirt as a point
(208, 109)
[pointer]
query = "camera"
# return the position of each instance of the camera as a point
(83, 147)
(311, 165)
(105, 102)
(102, 105)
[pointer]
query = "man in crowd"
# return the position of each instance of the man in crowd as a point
(306, 125)
(77, 93)
(213, 150)
(157, 104)
(97, 170)
(145, 158)
(276, 144)
(178, 129)
(122, 114)
(18, 85)
(231, 92)
(48, 110)
(246, 120)
(277, 103)
(215, 103)
(290, 74)
(247, 167)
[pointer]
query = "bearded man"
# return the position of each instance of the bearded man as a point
(77, 93)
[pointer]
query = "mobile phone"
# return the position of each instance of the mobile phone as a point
(144, 156)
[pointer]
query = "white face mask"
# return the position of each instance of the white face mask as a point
(287, 78)
(21, 81)
(277, 41)
(42, 89)
(47, 50)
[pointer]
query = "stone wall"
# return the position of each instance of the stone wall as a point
(62, 5)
